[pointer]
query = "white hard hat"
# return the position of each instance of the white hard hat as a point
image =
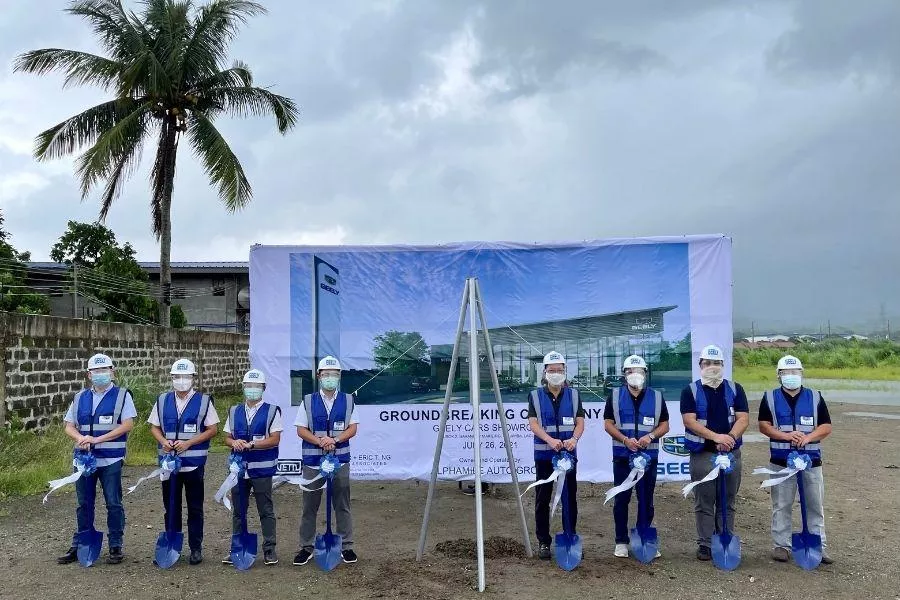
(254, 376)
(712, 353)
(329, 363)
(100, 361)
(183, 366)
(554, 358)
(634, 362)
(789, 362)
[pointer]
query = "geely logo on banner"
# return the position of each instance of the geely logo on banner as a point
(675, 445)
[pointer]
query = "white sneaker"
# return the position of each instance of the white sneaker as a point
(621, 551)
(658, 555)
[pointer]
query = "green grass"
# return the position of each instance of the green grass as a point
(746, 375)
(28, 460)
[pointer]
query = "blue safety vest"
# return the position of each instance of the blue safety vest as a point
(559, 424)
(694, 442)
(804, 417)
(98, 422)
(321, 423)
(637, 425)
(260, 463)
(189, 425)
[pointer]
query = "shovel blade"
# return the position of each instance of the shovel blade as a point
(327, 551)
(807, 550)
(168, 548)
(726, 551)
(644, 544)
(89, 544)
(243, 550)
(568, 550)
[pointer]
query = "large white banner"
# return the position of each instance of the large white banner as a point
(390, 314)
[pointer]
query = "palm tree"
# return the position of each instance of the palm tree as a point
(167, 70)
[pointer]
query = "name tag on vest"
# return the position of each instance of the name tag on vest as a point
(258, 438)
(105, 419)
(338, 426)
(803, 420)
(568, 420)
(649, 421)
(190, 428)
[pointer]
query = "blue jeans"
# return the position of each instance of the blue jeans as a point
(647, 484)
(110, 478)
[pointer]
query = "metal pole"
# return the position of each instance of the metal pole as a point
(509, 452)
(476, 415)
(444, 413)
(74, 291)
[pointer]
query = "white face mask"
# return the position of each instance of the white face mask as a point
(556, 379)
(635, 380)
(712, 376)
(182, 384)
(792, 381)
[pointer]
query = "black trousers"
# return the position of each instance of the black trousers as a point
(543, 496)
(192, 484)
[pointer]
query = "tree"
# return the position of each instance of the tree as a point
(15, 296)
(109, 274)
(167, 70)
(402, 353)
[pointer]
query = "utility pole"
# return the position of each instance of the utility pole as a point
(74, 291)
(829, 327)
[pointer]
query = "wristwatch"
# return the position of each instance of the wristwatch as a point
(253, 445)
(652, 437)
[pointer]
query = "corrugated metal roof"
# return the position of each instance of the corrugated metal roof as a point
(199, 265)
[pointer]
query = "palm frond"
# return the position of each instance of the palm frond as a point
(119, 141)
(79, 67)
(221, 164)
(83, 129)
(239, 75)
(115, 180)
(260, 102)
(112, 25)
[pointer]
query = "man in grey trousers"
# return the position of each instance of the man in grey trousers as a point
(715, 414)
(326, 422)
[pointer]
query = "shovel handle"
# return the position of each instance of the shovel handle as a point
(802, 493)
(170, 522)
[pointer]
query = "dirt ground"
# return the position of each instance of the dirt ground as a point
(862, 504)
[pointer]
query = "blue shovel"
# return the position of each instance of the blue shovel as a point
(567, 545)
(644, 538)
(327, 550)
(726, 547)
(243, 544)
(170, 542)
(806, 547)
(90, 541)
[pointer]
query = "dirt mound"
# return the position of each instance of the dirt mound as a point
(494, 547)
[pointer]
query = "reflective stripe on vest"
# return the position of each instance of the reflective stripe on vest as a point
(109, 408)
(312, 454)
(173, 425)
(263, 462)
(569, 405)
(628, 428)
(694, 442)
(807, 405)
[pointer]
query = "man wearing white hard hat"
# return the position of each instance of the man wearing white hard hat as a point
(325, 423)
(636, 417)
(184, 421)
(795, 417)
(715, 414)
(556, 418)
(99, 419)
(254, 429)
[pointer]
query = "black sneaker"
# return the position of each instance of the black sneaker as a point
(70, 556)
(302, 557)
(703, 553)
(227, 559)
(544, 551)
(115, 556)
(196, 557)
(349, 556)
(271, 557)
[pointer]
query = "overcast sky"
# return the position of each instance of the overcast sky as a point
(425, 121)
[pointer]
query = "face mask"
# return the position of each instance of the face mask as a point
(791, 382)
(556, 379)
(101, 379)
(330, 383)
(182, 384)
(711, 376)
(635, 380)
(253, 394)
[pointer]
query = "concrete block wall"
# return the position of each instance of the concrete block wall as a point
(44, 360)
